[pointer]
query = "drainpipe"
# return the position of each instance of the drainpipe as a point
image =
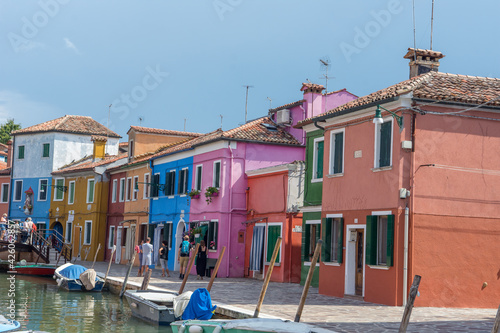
(321, 128)
(230, 210)
(303, 118)
(405, 263)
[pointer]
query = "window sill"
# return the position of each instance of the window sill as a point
(58, 199)
(331, 264)
(276, 264)
(170, 196)
(335, 175)
(155, 198)
(317, 180)
(212, 251)
(385, 268)
(382, 168)
(182, 195)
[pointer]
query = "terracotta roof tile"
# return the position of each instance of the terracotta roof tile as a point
(289, 105)
(163, 131)
(70, 124)
(87, 164)
(4, 171)
(434, 86)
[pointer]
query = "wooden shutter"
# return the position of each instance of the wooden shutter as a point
(340, 241)
(20, 152)
(371, 240)
(217, 175)
(385, 144)
(46, 148)
(273, 232)
(390, 240)
(326, 255)
(319, 159)
(339, 153)
(181, 182)
(305, 241)
(154, 188)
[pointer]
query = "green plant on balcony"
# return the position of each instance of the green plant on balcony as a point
(194, 194)
(211, 192)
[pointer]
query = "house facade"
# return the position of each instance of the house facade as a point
(116, 209)
(407, 190)
(274, 195)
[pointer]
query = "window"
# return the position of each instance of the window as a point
(46, 150)
(124, 236)
(311, 237)
(69, 231)
(5, 192)
(111, 237)
(90, 190)
(18, 190)
(155, 187)
(170, 183)
(167, 234)
(113, 191)
(87, 233)
(199, 170)
(318, 159)
(71, 194)
(59, 190)
(380, 240)
(332, 240)
(122, 189)
(383, 144)
(143, 232)
(42, 189)
(131, 149)
(183, 181)
(146, 186)
(128, 189)
(273, 232)
(216, 182)
(20, 152)
(136, 188)
(337, 152)
(212, 235)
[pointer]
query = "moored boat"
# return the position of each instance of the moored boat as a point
(35, 269)
(154, 306)
(7, 325)
(252, 325)
(69, 277)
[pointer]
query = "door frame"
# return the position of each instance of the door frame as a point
(118, 254)
(350, 260)
(181, 226)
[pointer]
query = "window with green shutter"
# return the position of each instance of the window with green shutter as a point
(170, 183)
(59, 191)
(46, 150)
(380, 240)
(333, 238)
(337, 153)
(90, 191)
(212, 235)
(216, 179)
(384, 141)
(154, 185)
(273, 232)
(311, 236)
(20, 152)
(318, 158)
(71, 194)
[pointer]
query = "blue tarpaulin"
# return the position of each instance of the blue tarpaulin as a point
(73, 271)
(199, 306)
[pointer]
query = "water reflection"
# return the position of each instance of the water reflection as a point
(40, 305)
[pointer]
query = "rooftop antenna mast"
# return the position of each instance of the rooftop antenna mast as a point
(107, 129)
(325, 64)
(221, 116)
(246, 102)
(414, 35)
(185, 124)
(270, 103)
(141, 119)
(432, 21)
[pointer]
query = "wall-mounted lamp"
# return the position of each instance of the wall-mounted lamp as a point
(161, 187)
(379, 120)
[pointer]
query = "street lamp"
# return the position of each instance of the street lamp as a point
(379, 120)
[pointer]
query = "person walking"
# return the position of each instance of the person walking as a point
(138, 249)
(163, 251)
(3, 226)
(201, 262)
(147, 251)
(183, 256)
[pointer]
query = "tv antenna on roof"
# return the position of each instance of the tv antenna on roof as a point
(141, 119)
(246, 101)
(270, 102)
(325, 64)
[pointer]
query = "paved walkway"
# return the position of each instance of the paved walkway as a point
(337, 314)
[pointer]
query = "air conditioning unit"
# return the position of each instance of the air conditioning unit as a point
(283, 116)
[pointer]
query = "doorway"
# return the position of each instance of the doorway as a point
(181, 228)
(118, 256)
(355, 260)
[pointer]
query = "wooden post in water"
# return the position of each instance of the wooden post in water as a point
(496, 326)
(188, 269)
(409, 305)
(95, 257)
(317, 250)
(268, 277)
(145, 281)
(216, 268)
(109, 265)
(128, 274)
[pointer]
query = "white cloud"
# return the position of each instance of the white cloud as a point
(23, 110)
(70, 45)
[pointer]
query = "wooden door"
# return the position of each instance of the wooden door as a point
(359, 261)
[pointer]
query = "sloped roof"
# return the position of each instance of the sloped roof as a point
(162, 131)
(4, 171)
(289, 105)
(433, 86)
(87, 164)
(262, 130)
(70, 124)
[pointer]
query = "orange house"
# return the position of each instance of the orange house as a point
(274, 195)
(411, 188)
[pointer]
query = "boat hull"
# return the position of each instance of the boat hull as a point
(75, 285)
(151, 311)
(36, 270)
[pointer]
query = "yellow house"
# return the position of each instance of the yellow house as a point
(80, 203)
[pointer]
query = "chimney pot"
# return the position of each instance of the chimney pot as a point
(423, 61)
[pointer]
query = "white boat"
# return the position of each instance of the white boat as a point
(153, 306)
(7, 325)
(253, 325)
(68, 277)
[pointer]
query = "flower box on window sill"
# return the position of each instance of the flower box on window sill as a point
(215, 194)
(196, 196)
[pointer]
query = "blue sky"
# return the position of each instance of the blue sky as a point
(166, 61)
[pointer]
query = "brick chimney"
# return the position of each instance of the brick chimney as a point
(423, 61)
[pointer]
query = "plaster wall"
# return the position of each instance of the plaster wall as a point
(148, 142)
(4, 206)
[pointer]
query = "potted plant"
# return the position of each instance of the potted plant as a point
(194, 194)
(195, 232)
(212, 245)
(211, 192)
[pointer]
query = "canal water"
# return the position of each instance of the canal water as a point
(40, 305)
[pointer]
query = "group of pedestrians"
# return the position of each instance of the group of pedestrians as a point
(23, 230)
(145, 252)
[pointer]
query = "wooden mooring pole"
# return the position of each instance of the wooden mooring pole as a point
(317, 251)
(216, 269)
(188, 269)
(145, 281)
(496, 326)
(109, 265)
(268, 277)
(95, 257)
(409, 305)
(128, 274)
